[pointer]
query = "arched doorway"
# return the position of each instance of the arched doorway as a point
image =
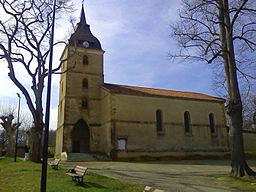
(80, 137)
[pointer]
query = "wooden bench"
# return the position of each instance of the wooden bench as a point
(54, 164)
(151, 189)
(77, 173)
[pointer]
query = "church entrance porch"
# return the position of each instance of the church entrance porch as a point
(80, 137)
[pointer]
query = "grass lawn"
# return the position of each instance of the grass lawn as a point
(25, 177)
(243, 184)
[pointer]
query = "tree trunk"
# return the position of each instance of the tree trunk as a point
(234, 107)
(11, 143)
(36, 144)
(238, 162)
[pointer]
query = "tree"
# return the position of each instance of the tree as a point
(222, 31)
(7, 122)
(249, 110)
(24, 45)
(3, 137)
(52, 138)
(10, 128)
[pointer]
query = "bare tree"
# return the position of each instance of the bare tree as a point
(223, 32)
(52, 138)
(8, 121)
(3, 137)
(8, 124)
(24, 45)
(249, 105)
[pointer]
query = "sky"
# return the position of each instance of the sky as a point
(135, 36)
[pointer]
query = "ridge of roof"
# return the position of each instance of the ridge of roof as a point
(146, 91)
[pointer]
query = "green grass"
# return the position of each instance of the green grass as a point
(25, 177)
(244, 184)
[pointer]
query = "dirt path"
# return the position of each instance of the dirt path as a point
(182, 176)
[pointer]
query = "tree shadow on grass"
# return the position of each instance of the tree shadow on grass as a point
(90, 185)
(206, 188)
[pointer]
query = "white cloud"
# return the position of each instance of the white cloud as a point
(135, 36)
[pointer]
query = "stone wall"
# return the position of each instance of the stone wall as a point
(135, 120)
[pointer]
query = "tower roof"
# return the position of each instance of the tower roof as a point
(83, 36)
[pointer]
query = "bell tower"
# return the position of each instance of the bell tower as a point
(80, 91)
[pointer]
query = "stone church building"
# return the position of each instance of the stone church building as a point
(126, 122)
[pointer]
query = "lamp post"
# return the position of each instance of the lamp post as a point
(17, 130)
(47, 109)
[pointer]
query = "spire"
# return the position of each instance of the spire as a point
(82, 17)
(83, 35)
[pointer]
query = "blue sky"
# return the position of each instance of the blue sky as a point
(136, 38)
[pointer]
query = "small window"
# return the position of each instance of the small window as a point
(121, 144)
(159, 121)
(212, 123)
(85, 60)
(187, 122)
(85, 84)
(84, 104)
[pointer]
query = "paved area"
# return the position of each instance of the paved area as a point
(173, 176)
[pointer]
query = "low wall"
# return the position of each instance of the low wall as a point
(249, 141)
(249, 144)
(146, 156)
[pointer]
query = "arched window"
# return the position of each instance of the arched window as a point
(187, 122)
(212, 123)
(159, 121)
(85, 60)
(84, 104)
(85, 83)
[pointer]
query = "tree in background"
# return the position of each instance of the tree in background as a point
(52, 138)
(222, 32)
(249, 111)
(3, 137)
(24, 45)
(8, 121)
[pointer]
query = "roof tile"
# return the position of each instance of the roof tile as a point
(144, 91)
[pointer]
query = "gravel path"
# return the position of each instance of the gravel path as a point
(181, 176)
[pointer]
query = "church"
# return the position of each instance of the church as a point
(128, 122)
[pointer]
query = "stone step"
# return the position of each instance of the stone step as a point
(80, 157)
(87, 157)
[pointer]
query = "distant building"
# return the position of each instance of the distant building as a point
(126, 121)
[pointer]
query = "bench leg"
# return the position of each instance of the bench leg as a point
(79, 180)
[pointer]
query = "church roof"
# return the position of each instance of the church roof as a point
(83, 34)
(144, 91)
